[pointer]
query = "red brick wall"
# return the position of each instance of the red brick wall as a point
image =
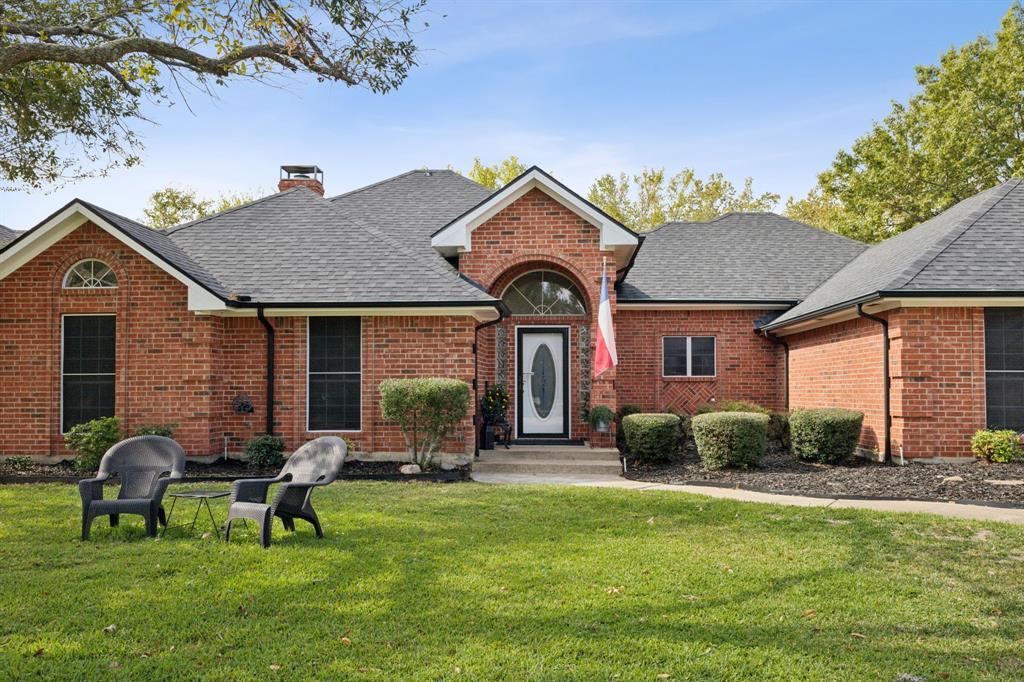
(938, 380)
(536, 232)
(841, 366)
(749, 367)
(174, 366)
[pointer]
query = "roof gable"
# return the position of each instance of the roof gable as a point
(456, 236)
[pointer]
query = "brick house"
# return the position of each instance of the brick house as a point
(285, 314)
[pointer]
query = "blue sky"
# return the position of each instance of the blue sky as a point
(769, 90)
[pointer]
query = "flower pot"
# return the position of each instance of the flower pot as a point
(488, 438)
(602, 427)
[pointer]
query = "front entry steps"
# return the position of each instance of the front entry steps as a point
(549, 459)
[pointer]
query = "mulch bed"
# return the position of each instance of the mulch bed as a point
(229, 470)
(782, 472)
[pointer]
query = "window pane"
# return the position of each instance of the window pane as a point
(702, 349)
(89, 346)
(87, 398)
(1004, 338)
(675, 356)
(1005, 400)
(334, 344)
(334, 402)
(544, 293)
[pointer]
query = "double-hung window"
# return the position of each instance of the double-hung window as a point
(87, 368)
(1004, 368)
(334, 380)
(688, 356)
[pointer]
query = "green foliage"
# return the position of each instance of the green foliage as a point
(165, 430)
(74, 75)
(600, 414)
(827, 435)
(1000, 446)
(265, 452)
(649, 199)
(820, 210)
(18, 462)
(426, 410)
(778, 428)
(495, 403)
(961, 133)
(91, 440)
(620, 433)
(498, 175)
(731, 406)
(730, 439)
(652, 437)
(169, 206)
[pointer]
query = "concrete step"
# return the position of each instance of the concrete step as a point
(512, 464)
(526, 452)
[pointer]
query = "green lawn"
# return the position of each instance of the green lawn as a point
(467, 581)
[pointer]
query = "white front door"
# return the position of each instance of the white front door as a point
(543, 380)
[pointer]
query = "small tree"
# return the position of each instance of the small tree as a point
(426, 410)
(91, 440)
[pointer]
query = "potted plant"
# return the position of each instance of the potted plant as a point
(494, 408)
(600, 418)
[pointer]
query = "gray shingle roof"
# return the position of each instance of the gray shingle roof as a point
(973, 247)
(412, 206)
(735, 257)
(7, 234)
(296, 247)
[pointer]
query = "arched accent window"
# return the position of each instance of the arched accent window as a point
(543, 292)
(90, 274)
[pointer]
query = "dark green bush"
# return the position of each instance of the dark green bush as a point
(731, 406)
(91, 440)
(827, 435)
(426, 410)
(730, 439)
(620, 433)
(651, 437)
(1000, 446)
(265, 452)
(165, 430)
(778, 428)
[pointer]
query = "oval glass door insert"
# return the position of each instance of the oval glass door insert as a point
(542, 384)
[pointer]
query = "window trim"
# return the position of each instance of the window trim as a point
(689, 356)
(63, 332)
(581, 296)
(360, 373)
(67, 274)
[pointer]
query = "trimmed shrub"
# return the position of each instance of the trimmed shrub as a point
(731, 406)
(265, 452)
(426, 410)
(165, 430)
(827, 435)
(651, 437)
(730, 439)
(91, 440)
(620, 433)
(1000, 446)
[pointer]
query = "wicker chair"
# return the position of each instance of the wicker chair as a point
(315, 464)
(140, 463)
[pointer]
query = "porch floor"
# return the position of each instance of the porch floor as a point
(549, 459)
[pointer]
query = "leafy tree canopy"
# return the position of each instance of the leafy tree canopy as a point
(962, 133)
(650, 198)
(170, 206)
(498, 175)
(74, 75)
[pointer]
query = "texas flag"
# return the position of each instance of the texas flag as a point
(604, 357)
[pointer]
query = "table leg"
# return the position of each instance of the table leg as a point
(213, 521)
(196, 517)
(167, 521)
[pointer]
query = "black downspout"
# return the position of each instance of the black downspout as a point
(270, 368)
(476, 379)
(886, 415)
(785, 345)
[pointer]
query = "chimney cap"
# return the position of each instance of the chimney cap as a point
(301, 171)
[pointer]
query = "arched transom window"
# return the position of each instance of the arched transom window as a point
(544, 293)
(90, 274)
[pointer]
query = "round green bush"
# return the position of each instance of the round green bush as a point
(91, 440)
(652, 437)
(731, 406)
(265, 452)
(827, 435)
(730, 439)
(1000, 446)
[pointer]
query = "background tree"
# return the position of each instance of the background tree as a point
(648, 199)
(74, 75)
(498, 175)
(170, 206)
(962, 133)
(824, 211)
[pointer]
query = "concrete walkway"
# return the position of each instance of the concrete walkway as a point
(950, 509)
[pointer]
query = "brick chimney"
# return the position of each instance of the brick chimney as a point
(306, 176)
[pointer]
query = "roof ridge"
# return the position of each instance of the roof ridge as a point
(118, 215)
(197, 221)
(918, 265)
(780, 216)
(402, 175)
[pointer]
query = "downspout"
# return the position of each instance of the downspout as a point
(785, 346)
(886, 414)
(270, 368)
(476, 377)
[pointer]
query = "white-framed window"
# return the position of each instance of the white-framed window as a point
(334, 374)
(88, 363)
(90, 274)
(688, 356)
(543, 292)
